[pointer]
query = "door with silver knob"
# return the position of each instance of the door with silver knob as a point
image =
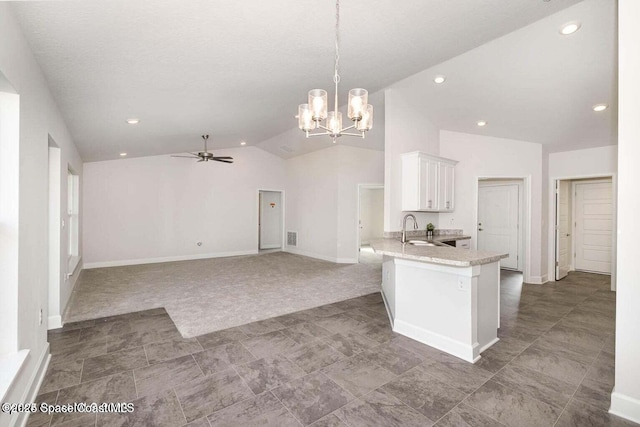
(498, 221)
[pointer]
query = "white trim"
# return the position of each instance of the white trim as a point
(625, 406)
(90, 265)
(297, 251)
(54, 322)
(536, 280)
(360, 187)
(35, 382)
(551, 241)
(11, 365)
(446, 344)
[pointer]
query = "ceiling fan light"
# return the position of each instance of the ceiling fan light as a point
(358, 99)
(305, 118)
(367, 119)
(318, 104)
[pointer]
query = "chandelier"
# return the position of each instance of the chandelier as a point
(313, 115)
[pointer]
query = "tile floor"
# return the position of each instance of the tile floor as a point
(341, 365)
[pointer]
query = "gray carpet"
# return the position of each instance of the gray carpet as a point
(207, 295)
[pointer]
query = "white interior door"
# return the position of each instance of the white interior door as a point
(498, 216)
(594, 220)
(270, 220)
(563, 227)
(371, 214)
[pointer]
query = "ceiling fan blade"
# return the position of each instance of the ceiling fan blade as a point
(222, 158)
(222, 161)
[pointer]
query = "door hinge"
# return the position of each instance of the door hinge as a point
(557, 263)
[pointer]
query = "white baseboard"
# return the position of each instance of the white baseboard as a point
(455, 348)
(54, 322)
(625, 406)
(271, 247)
(101, 264)
(34, 385)
(536, 280)
(297, 251)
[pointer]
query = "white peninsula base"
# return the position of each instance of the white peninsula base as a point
(452, 308)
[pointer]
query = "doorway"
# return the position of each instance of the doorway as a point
(500, 217)
(370, 221)
(270, 220)
(584, 226)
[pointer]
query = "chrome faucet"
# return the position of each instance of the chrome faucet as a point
(404, 226)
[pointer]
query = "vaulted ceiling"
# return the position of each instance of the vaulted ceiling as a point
(238, 70)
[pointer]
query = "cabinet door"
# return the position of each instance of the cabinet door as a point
(446, 184)
(428, 184)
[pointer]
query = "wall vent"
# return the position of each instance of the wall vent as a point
(292, 238)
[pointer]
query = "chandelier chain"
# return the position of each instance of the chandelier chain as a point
(336, 76)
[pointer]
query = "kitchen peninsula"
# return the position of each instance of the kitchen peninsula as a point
(444, 297)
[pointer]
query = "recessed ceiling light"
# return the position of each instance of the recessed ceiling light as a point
(243, 143)
(481, 123)
(600, 107)
(439, 79)
(123, 154)
(133, 121)
(569, 28)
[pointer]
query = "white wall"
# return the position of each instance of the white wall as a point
(322, 199)
(488, 157)
(151, 209)
(625, 399)
(312, 203)
(357, 166)
(39, 118)
(407, 128)
(587, 163)
(584, 163)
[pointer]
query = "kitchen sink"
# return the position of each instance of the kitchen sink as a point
(421, 243)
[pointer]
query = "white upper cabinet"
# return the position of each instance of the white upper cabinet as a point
(427, 183)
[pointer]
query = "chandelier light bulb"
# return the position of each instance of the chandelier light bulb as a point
(305, 118)
(318, 104)
(358, 99)
(367, 119)
(334, 121)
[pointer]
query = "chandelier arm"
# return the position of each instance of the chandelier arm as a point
(350, 127)
(360, 135)
(319, 134)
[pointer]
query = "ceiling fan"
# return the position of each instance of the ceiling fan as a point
(205, 156)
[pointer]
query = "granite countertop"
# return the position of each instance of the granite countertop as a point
(435, 254)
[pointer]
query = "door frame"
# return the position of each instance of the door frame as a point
(555, 224)
(525, 231)
(361, 187)
(520, 183)
(551, 262)
(282, 198)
